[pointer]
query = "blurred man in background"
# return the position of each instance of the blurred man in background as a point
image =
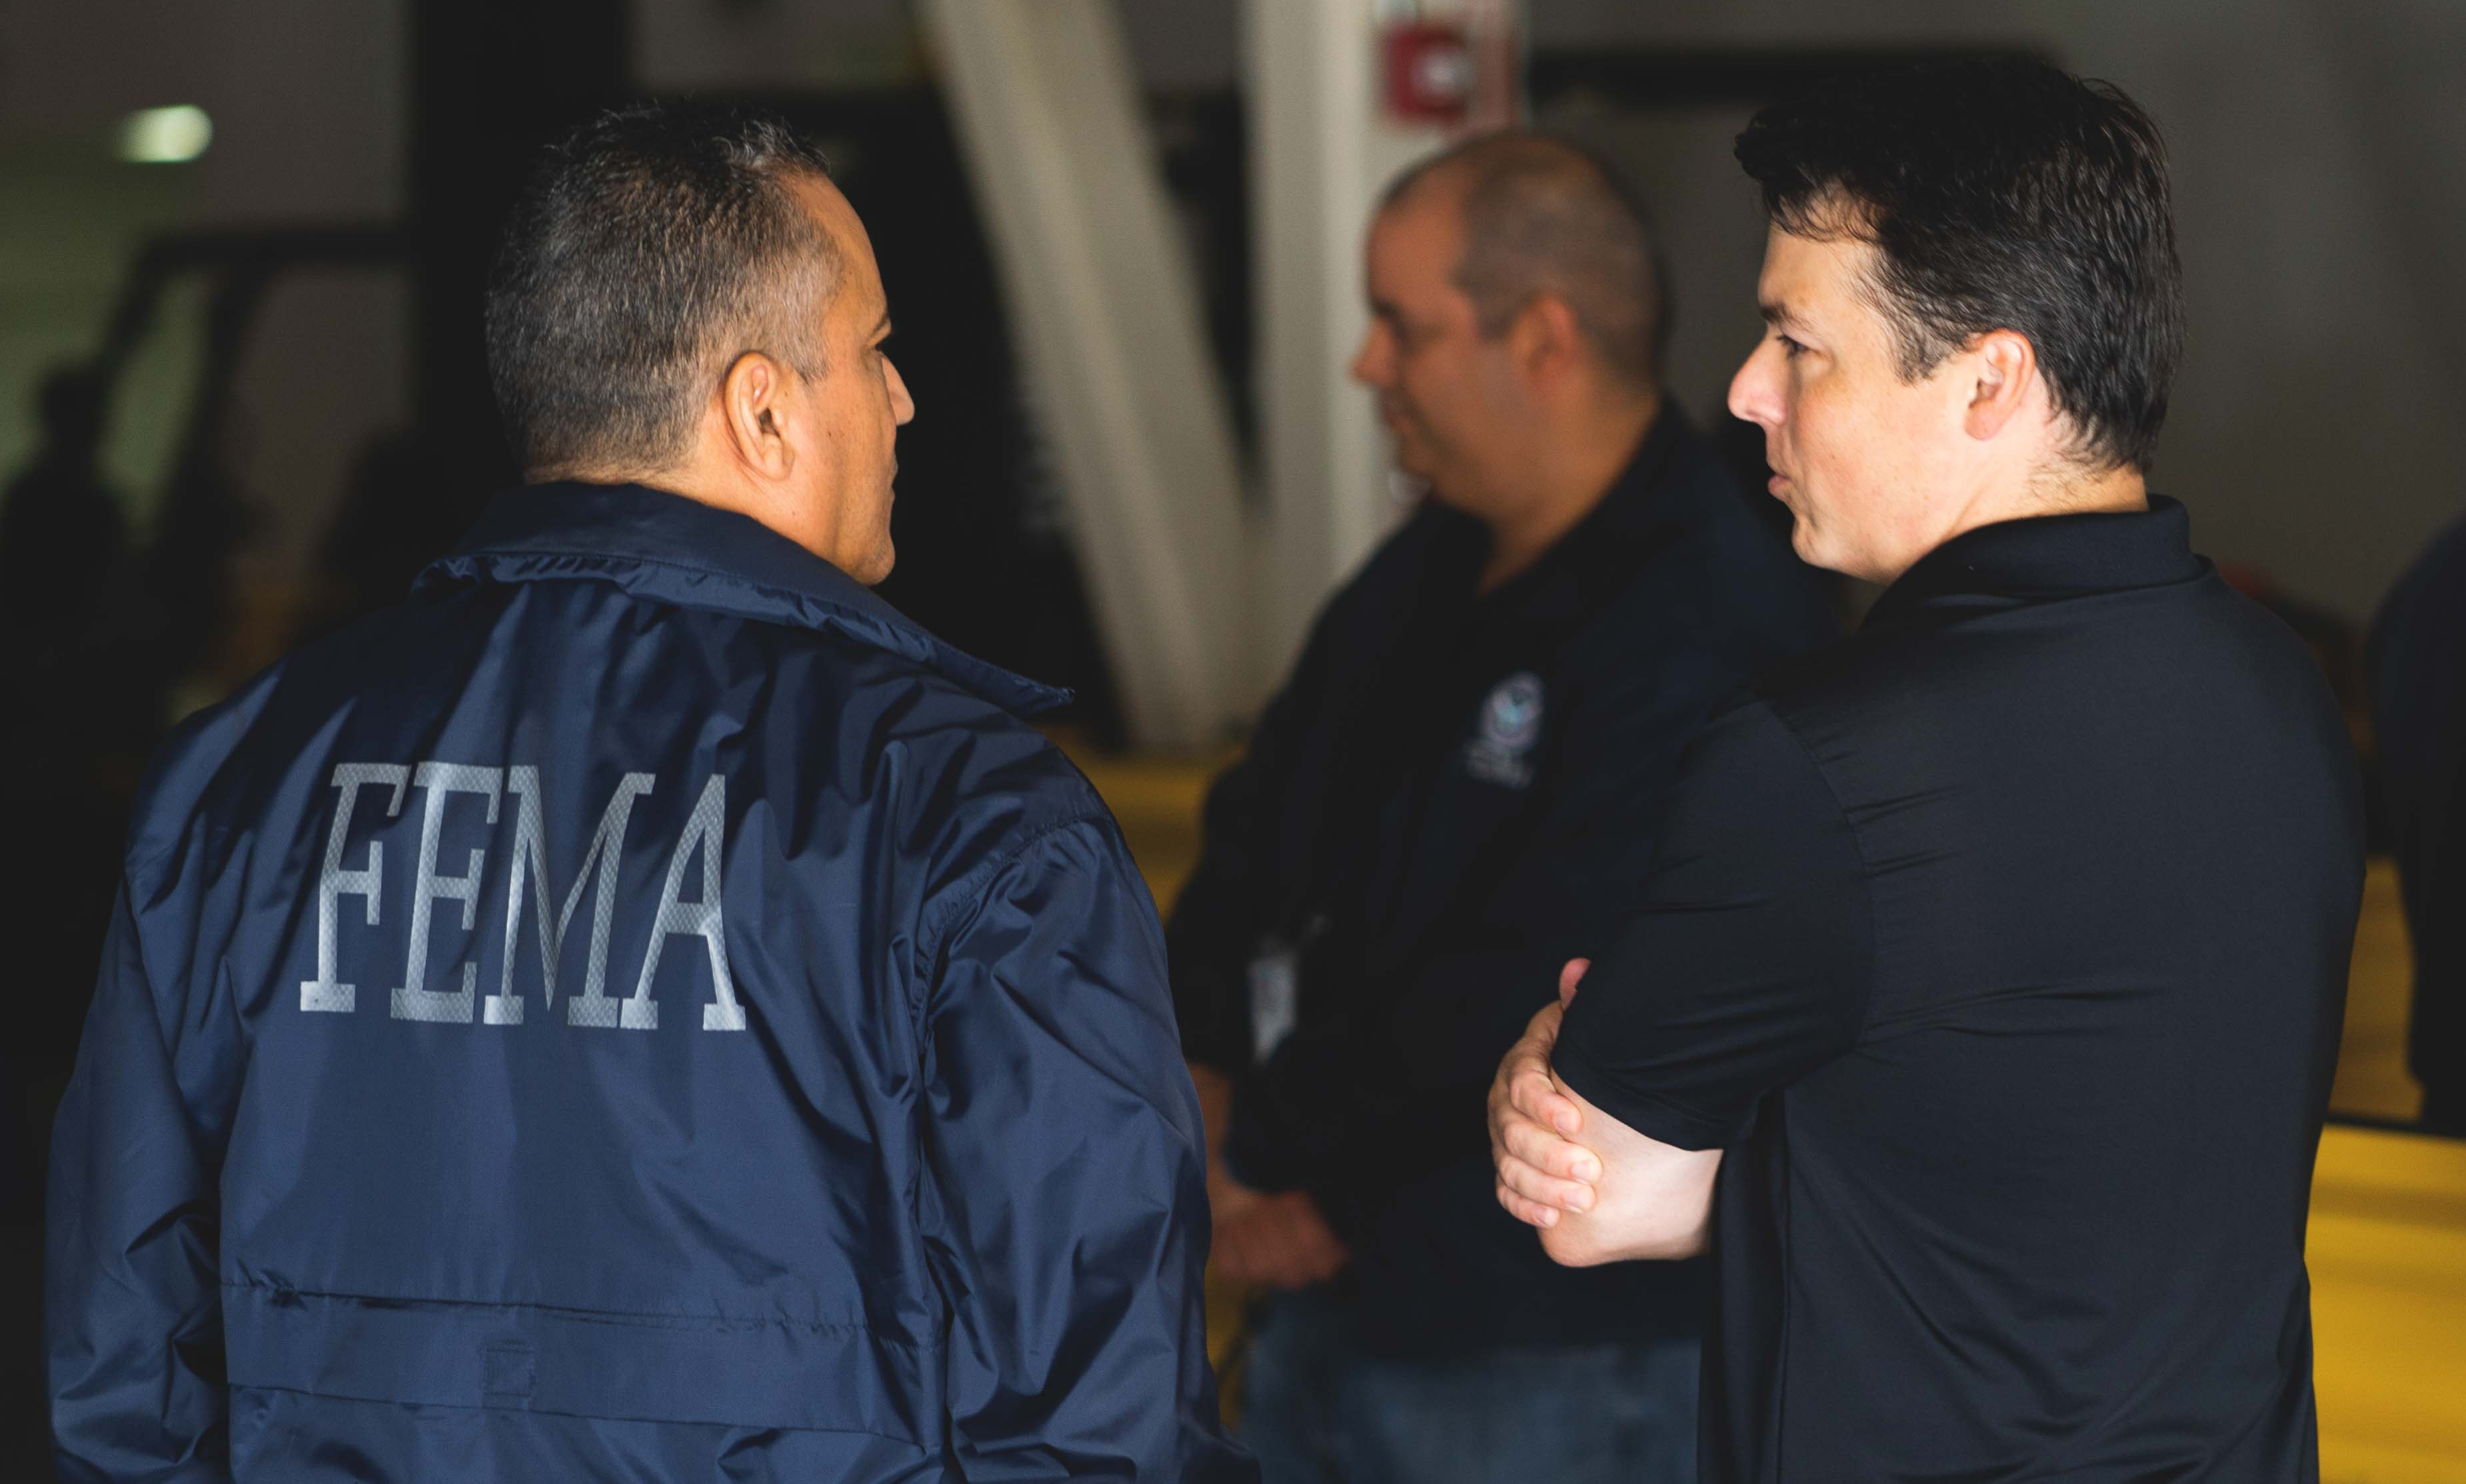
(2417, 674)
(836, 1131)
(1992, 971)
(1458, 788)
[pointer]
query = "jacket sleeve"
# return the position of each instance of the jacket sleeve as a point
(1065, 1204)
(132, 1306)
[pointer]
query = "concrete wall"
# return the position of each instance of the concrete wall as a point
(779, 46)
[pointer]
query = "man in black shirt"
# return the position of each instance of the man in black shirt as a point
(1982, 1001)
(1456, 789)
(2417, 661)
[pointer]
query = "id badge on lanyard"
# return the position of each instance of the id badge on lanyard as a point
(1275, 996)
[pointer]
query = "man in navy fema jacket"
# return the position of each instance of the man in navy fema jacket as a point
(642, 1010)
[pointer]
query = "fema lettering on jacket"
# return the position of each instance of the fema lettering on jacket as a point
(528, 893)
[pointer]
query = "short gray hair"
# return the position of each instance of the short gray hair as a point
(1543, 215)
(656, 244)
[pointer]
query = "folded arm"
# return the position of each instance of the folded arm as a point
(1745, 968)
(1598, 1190)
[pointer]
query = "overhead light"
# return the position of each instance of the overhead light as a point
(165, 136)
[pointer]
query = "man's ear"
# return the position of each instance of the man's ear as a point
(752, 406)
(1546, 339)
(2006, 365)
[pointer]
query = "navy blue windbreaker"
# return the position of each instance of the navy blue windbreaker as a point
(641, 1010)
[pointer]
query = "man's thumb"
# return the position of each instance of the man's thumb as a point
(1570, 976)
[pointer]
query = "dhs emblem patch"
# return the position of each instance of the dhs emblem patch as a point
(1504, 733)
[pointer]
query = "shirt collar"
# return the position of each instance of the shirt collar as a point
(1643, 502)
(671, 549)
(1643, 497)
(2044, 557)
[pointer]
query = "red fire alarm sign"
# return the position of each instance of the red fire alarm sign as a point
(1429, 72)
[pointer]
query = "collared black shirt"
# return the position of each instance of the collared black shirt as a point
(1452, 795)
(2004, 953)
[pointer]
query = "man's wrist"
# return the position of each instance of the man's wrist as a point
(1216, 1097)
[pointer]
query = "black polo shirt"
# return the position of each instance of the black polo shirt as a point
(2004, 952)
(1452, 795)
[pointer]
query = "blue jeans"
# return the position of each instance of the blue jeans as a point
(1316, 1410)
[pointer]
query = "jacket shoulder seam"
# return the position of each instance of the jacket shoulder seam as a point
(958, 901)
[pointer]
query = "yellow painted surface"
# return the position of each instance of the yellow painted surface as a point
(2388, 1232)
(2388, 1259)
(1157, 804)
(2388, 1242)
(2372, 1079)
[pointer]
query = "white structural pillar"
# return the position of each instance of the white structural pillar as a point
(1321, 148)
(1105, 310)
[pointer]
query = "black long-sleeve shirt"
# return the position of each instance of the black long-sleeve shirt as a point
(2004, 953)
(1452, 796)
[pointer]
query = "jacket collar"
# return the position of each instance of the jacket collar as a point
(2052, 557)
(670, 548)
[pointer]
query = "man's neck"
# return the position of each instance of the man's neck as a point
(1567, 488)
(2065, 494)
(2125, 488)
(710, 482)
(2114, 491)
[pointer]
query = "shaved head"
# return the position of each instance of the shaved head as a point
(1543, 216)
